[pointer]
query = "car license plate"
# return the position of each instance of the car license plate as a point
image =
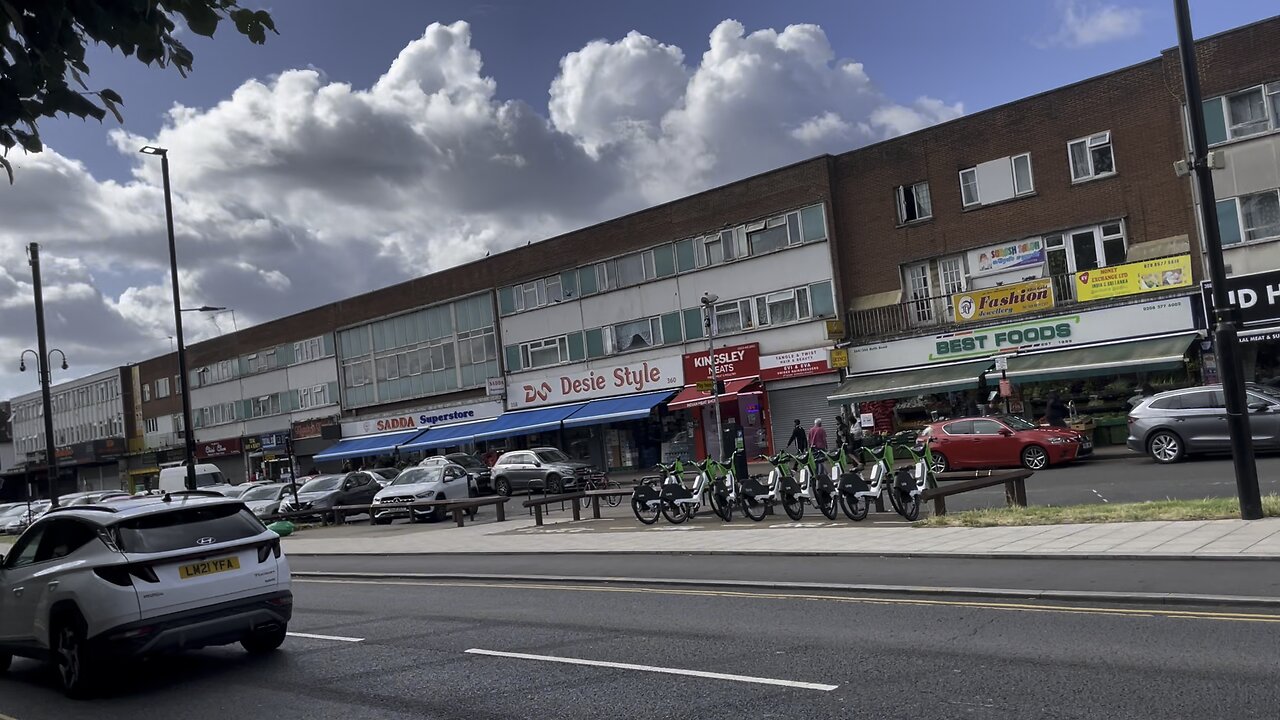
(208, 567)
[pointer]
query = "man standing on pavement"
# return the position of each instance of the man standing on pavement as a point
(798, 437)
(817, 439)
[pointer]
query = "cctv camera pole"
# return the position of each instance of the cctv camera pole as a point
(50, 451)
(1226, 342)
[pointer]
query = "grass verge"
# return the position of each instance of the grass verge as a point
(1206, 509)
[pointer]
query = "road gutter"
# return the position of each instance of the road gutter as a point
(1136, 598)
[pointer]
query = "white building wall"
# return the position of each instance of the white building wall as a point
(1251, 166)
(86, 409)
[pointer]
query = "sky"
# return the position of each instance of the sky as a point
(369, 143)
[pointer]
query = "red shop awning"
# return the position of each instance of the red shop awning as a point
(691, 396)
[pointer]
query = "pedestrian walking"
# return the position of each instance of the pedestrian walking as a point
(818, 440)
(1055, 412)
(798, 437)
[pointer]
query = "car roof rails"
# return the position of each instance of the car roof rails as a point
(94, 508)
(168, 497)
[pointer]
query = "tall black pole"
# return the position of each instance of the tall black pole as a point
(1226, 342)
(50, 450)
(188, 430)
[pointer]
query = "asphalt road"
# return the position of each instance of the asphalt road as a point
(838, 657)
(1256, 578)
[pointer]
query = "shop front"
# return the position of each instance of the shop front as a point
(94, 465)
(743, 404)
(226, 454)
(385, 439)
(610, 416)
(1096, 361)
(267, 456)
(311, 437)
(1256, 298)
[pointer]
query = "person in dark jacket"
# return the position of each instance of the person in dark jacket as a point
(800, 439)
(1055, 412)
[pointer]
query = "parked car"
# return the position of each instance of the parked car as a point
(141, 577)
(17, 519)
(441, 481)
(1171, 425)
(545, 467)
(93, 498)
(323, 493)
(384, 476)
(264, 498)
(1002, 441)
(480, 473)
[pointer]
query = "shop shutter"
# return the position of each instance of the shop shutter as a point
(803, 404)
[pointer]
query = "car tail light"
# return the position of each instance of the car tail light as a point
(266, 550)
(1131, 419)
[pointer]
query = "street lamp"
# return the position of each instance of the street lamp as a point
(187, 427)
(708, 303)
(1225, 317)
(43, 357)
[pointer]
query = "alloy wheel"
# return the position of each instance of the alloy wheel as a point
(1165, 448)
(1035, 458)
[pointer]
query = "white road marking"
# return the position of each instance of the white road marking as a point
(1095, 492)
(655, 669)
(338, 638)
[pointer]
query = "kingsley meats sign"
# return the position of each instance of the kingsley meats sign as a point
(732, 361)
(635, 377)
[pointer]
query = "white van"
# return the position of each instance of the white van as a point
(208, 477)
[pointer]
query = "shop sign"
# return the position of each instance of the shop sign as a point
(839, 358)
(1133, 278)
(273, 440)
(310, 428)
(1256, 296)
(732, 361)
(495, 386)
(1153, 317)
(1003, 301)
(800, 363)
(1005, 257)
(635, 377)
(424, 419)
(835, 329)
(218, 448)
(109, 448)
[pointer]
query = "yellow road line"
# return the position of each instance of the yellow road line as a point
(976, 604)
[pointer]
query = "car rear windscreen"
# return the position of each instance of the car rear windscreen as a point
(187, 528)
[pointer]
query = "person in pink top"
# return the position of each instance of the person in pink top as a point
(818, 441)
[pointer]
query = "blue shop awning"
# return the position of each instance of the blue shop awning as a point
(523, 422)
(367, 445)
(448, 435)
(629, 407)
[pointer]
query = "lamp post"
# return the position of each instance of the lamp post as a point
(43, 357)
(708, 304)
(188, 430)
(1225, 340)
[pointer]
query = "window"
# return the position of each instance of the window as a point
(162, 388)
(969, 187)
(919, 292)
(637, 334)
(686, 256)
(787, 306)
(733, 316)
(1022, 180)
(1201, 400)
(1091, 157)
(553, 292)
(693, 324)
(1113, 245)
(1248, 114)
(632, 270)
(987, 427)
(1249, 217)
(771, 235)
(308, 350)
(951, 278)
(146, 393)
(913, 202)
(1087, 248)
(717, 248)
(962, 427)
(542, 353)
(314, 396)
(152, 425)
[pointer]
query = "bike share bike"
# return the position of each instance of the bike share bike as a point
(756, 497)
(859, 487)
(667, 495)
(808, 485)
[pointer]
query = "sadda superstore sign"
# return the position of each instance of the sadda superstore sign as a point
(1114, 323)
(607, 381)
(423, 419)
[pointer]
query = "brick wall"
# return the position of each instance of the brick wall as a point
(149, 371)
(1231, 60)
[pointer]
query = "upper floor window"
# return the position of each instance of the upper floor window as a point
(1091, 157)
(146, 393)
(1249, 217)
(542, 353)
(162, 387)
(969, 187)
(637, 334)
(1241, 114)
(919, 292)
(308, 350)
(152, 424)
(1086, 248)
(913, 202)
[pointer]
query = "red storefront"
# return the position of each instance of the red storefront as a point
(744, 406)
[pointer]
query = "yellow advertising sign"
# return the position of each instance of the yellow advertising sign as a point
(1003, 301)
(839, 358)
(1133, 278)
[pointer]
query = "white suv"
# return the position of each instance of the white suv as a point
(138, 577)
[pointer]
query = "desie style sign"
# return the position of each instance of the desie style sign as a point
(733, 361)
(635, 377)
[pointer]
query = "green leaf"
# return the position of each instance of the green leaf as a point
(6, 140)
(202, 19)
(109, 95)
(28, 141)
(111, 107)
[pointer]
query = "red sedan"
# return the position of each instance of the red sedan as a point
(1002, 441)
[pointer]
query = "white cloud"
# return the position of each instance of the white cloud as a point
(1090, 23)
(297, 190)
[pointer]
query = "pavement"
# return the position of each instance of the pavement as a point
(490, 651)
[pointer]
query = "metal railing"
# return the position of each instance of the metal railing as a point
(936, 311)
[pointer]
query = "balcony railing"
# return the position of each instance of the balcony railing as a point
(936, 311)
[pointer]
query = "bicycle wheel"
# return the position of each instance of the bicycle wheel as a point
(855, 508)
(754, 509)
(827, 503)
(720, 505)
(585, 502)
(793, 505)
(908, 506)
(613, 500)
(644, 513)
(675, 514)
